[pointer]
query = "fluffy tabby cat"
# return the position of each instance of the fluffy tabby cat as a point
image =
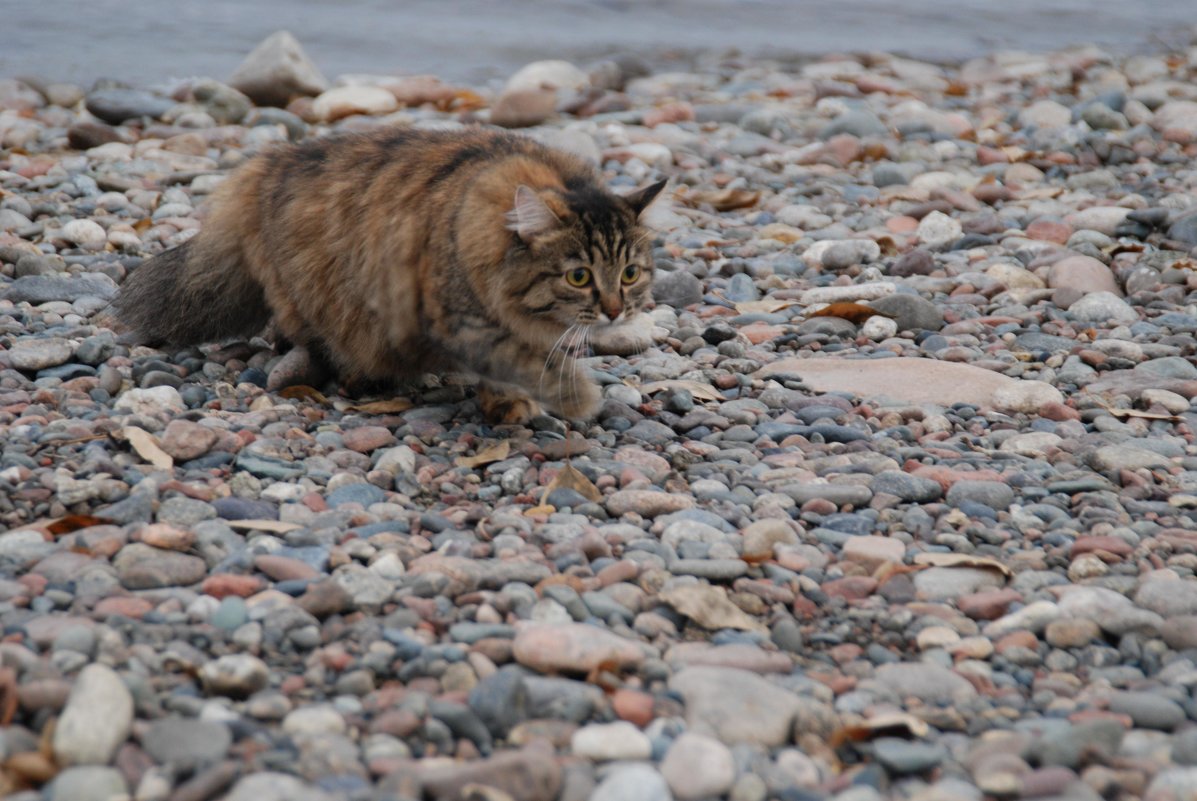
(403, 251)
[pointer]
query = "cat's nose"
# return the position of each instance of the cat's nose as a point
(612, 308)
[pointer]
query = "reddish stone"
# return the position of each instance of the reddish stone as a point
(852, 588)
(669, 112)
(1058, 412)
(1113, 546)
(314, 502)
(1017, 639)
(291, 685)
(946, 476)
(34, 583)
(367, 438)
(987, 605)
(284, 568)
(1049, 231)
(847, 652)
(633, 706)
(123, 606)
(820, 506)
(991, 155)
(616, 572)
(222, 585)
(901, 224)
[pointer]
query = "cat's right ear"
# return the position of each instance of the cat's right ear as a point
(530, 217)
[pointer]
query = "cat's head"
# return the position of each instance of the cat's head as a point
(582, 253)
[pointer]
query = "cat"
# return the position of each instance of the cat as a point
(403, 251)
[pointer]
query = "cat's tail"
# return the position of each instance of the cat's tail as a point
(201, 291)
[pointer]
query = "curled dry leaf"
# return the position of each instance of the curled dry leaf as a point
(709, 607)
(765, 306)
(847, 310)
(697, 389)
(494, 452)
(569, 477)
(893, 724)
(146, 446)
(303, 392)
(73, 523)
(391, 406)
(272, 526)
(720, 199)
(961, 560)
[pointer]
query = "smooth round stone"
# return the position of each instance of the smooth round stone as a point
(235, 675)
(1102, 307)
(906, 486)
(1148, 710)
(910, 312)
(1071, 633)
(698, 767)
(609, 742)
(87, 783)
(361, 493)
(904, 757)
(994, 494)
(38, 354)
(632, 783)
(186, 743)
(97, 718)
(927, 682)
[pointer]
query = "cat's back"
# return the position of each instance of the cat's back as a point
(428, 159)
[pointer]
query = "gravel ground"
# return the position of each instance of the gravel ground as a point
(937, 544)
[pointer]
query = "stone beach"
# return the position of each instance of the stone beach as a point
(902, 503)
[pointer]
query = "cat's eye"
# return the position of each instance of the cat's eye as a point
(631, 274)
(579, 277)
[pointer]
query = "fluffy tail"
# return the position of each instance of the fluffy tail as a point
(200, 291)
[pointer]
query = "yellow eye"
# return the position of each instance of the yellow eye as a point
(631, 274)
(579, 277)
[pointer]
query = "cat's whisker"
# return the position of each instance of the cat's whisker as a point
(557, 346)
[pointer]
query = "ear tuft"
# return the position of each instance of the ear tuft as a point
(642, 198)
(530, 217)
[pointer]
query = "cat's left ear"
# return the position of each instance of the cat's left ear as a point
(642, 198)
(530, 216)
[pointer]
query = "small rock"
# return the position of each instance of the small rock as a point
(276, 71)
(97, 718)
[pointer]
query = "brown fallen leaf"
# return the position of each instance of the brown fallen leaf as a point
(495, 452)
(709, 607)
(962, 560)
(272, 526)
(8, 696)
(303, 392)
(766, 306)
(697, 389)
(146, 446)
(847, 310)
(569, 477)
(73, 523)
(720, 199)
(1141, 415)
(894, 724)
(392, 406)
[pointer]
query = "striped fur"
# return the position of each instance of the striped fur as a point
(402, 251)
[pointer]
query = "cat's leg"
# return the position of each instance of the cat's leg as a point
(554, 378)
(506, 404)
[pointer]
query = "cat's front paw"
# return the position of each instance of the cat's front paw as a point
(582, 402)
(503, 406)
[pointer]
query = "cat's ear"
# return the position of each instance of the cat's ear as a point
(642, 198)
(530, 217)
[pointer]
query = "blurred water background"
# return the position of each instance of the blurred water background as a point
(145, 41)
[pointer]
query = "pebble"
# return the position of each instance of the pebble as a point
(321, 584)
(96, 720)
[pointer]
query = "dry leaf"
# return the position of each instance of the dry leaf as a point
(570, 478)
(495, 452)
(273, 526)
(961, 560)
(766, 306)
(8, 696)
(544, 510)
(1141, 415)
(847, 310)
(147, 447)
(709, 607)
(894, 724)
(73, 523)
(392, 406)
(721, 199)
(303, 392)
(697, 389)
